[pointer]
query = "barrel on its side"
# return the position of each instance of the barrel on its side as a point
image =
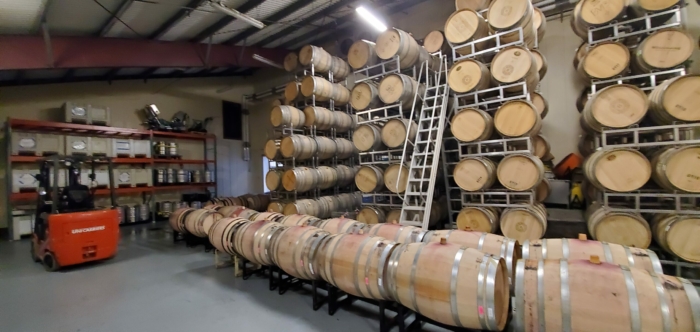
(362, 54)
(317, 56)
(475, 173)
(370, 178)
(677, 168)
(397, 233)
(472, 124)
(341, 225)
(480, 219)
(394, 42)
(399, 88)
(466, 25)
(604, 60)
(520, 172)
(200, 221)
(253, 240)
(662, 50)
(514, 64)
(287, 116)
(517, 118)
(364, 95)
(367, 137)
(300, 179)
(524, 222)
(469, 75)
(397, 131)
(294, 251)
(676, 233)
(321, 117)
(273, 179)
(675, 100)
(298, 146)
(625, 228)
(620, 170)
(371, 215)
(223, 231)
(272, 149)
(299, 219)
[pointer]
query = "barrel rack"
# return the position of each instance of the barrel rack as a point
(650, 199)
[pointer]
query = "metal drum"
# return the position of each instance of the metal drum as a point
(159, 175)
(188, 176)
(207, 176)
(196, 205)
(164, 208)
(123, 211)
(143, 212)
(172, 149)
(131, 215)
(170, 175)
(160, 148)
(197, 176)
(181, 176)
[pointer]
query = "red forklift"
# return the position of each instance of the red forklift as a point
(68, 228)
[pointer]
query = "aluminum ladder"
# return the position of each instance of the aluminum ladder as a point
(423, 166)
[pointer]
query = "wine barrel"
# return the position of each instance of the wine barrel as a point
(468, 75)
(367, 137)
(320, 117)
(472, 4)
(541, 104)
(316, 56)
(327, 177)
(663, 49)
(394, 42)
(298, 146)
(287, 116)
(317, 86)
(292, 92)
(223, 231)
(524, 222)
(326, 147)
(396, 232)
(294, 250)
(339, 68)
(616, 106)
(275, 207)
(586, 144)
(371, 215)
(270, 215)
(399, 88)
(356, 264)
(497, 245)
(278, 102)
(396, 131)
(580, 52)
(605, 60)
(272, 149)
(573, 249)
(505, 15)
(514, 64)
(466, 25)
(591, 13)
(589, 295)
(677, 168)
(520, 172)
(364, 95)
(199, 222)
(343, 122)
(341, 225)
(242, 212)
(340, 94)
(301, 207)
(472, 124)
(627, 229)
(393, 216)
(540, 22)
(291, 62)
(369, 179)
(447, 283)
(475, 173)
(299, 220)
(273, 179)
(253, 240)
(541, 63)
(480, 219)
(582, 99)
(177, 219)
(344, 149)
(619, 170)
(435, 41)
(395, 182)
(517, 118)
(676, 100)
(301, 179)
(226, 211)
(543, 190)
(676, 233)
(346, 175)
(362, 54)
(540, 146)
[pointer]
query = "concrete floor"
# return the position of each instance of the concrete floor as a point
(155, 285)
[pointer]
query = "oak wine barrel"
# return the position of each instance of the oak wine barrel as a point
(298, 146)
(223, 231)
(356, 264)
(468, 75)
(254, 239)
(504, 15)
(344, 149)
(316, 56)
(627, 229)
(317, 86)
(292, 92)
(394, 42)
(294, 251)
(396, 131)
(368, 137)
(475, 173)
(605, 60)
(275, 207)
(514, 64)
(620, 170)
(450, 284)
(540, 103)
(540, 146)
(677, 168)
(346, 175)
(472, 124)
(540, 22)
(573, 249)
(199, 222)
(524, 222)
(272, 149)
(396, 232)
(327, 177)
(177, 219)
(365, 95)
(322, 118)
(393, 216)
(435, 41)
(362, 54)
(341, 225)
(479, 219)
(326, 147)
(270, 215)
(615, 106)
(242, 212)
(371, 215)
(369, 179)
(466, 25)
(472, 4)
(543, 190)
(287, 116)
(273, 179)
(226, 211)
(339, 68)
(592, 13)
(291, 62)
(541, 63)
(520, 172)
(343, 122)
(396, 178)
(300, 179)
(663, 49)
(399, 88)
(299, 219)
(580, 52)
(676, 234)
(590, 295)
(676, 100)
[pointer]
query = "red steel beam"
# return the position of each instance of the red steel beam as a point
(29, 52)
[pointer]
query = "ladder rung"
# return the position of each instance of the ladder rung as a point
(414, 208)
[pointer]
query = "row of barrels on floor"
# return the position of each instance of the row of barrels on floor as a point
(674, 168)
(672, 101)
(464, 278)
(323, 207)
(303, 147)
(251, 201)
(662, 50)
(320, 117)
(303, 179)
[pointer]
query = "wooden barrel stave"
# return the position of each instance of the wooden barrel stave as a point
(525, 222)
(399, 88)
(294, 251)
(517, 118)
(675, 234)
(520, 172)
(475, 173)
(322, 60)
(620, 170)
(365, 95)
(677, 168)
(223, 232)
(298, 146)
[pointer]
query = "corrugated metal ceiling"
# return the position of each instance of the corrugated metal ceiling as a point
(144, 18)
(21, 17)
(260, 12)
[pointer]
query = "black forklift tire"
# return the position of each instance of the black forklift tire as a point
(50, 263)
(34, 257)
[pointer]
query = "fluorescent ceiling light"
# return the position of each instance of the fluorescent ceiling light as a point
(371, 19)
(228, 11)
(267, 61)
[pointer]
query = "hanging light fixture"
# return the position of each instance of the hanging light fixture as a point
(219, 5)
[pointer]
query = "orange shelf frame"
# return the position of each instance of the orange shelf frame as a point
(61, 127)
(33, 159)
(182, 161)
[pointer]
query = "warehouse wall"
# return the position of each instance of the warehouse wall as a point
(200, 98)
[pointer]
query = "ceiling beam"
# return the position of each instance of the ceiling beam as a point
(28, 52)
(284, 12)
(123, 7)
(312, 18)
(180, 15)
(226, 20)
